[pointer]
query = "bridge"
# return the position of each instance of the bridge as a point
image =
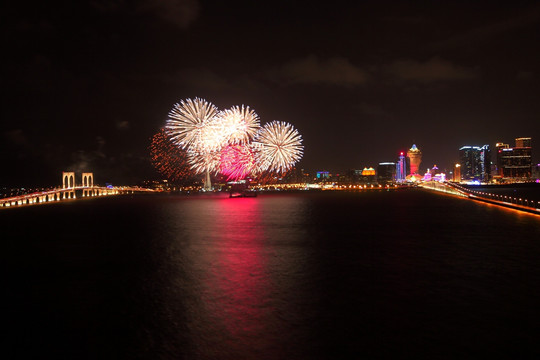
(70, 190)
(444, 187)
(510, 202)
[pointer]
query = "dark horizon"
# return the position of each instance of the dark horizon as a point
(87, 84)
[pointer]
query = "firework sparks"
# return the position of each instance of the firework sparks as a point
(169, 160)
(240, 124)
(211, 138)
(231, 141)
(189, 120)
(281, 146)
(206, 161)
(236, 161)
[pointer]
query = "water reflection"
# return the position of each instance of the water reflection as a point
(239, 277)
(232, 311)
(300, 276)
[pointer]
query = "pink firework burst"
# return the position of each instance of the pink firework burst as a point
(236, 161)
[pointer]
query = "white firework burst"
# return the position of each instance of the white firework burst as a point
(240, 124)
(260, 162)
(280, 146)
(211, 137)
(205, 161)
(188, 120)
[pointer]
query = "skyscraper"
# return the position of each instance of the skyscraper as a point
(500, 148)
(415, 156)
(457, 173)
(386, 172)
(475, 163)
(515, 163)
(523, 142)
(401, 168)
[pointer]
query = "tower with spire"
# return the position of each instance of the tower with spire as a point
(415, 158)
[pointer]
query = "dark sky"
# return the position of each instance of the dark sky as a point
(86, 84)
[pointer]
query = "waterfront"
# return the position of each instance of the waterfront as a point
(294, 275)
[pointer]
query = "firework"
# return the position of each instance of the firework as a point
(281, 146)
(204, 161)
(211, 137)
(190, 121)
(239, 124)
(236, 161)
(169, 160)
(260, 163)
(203, 155)
(231, 141)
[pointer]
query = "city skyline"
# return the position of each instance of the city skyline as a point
(87, 85)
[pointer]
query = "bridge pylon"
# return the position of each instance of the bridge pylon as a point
(68, 183)
(68, 179)
(87, 179)
(88, 184)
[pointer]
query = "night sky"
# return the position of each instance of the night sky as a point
(85, 85)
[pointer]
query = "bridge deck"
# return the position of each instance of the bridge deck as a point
(494, 199)
(60, 194)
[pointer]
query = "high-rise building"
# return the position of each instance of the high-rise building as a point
(457, 173)
(499, 147)
(401, 168)
(353, 176)
(386, 173)
(368, 171)
(523, 142)
(475, 163)
(415, 157)
(368, 176)
(536, 172)
(515, 163)
(323, 175)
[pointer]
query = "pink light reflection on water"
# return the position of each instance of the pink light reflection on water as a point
(239, 279)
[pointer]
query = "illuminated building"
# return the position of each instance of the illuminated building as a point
(457, 173)
(357, 176)
(515, 163)
(498, 161)
(536, 172)
(386, 172)
(401, 168)
(414, 178)
(415, 157)
(353, 176)
(475, 163)
(440, 177)
(523, 142)
(437, 175)
(323, 175)
(368, 172)
(368, 176)
(432, 174)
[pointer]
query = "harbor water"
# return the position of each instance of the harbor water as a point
(306, 275)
